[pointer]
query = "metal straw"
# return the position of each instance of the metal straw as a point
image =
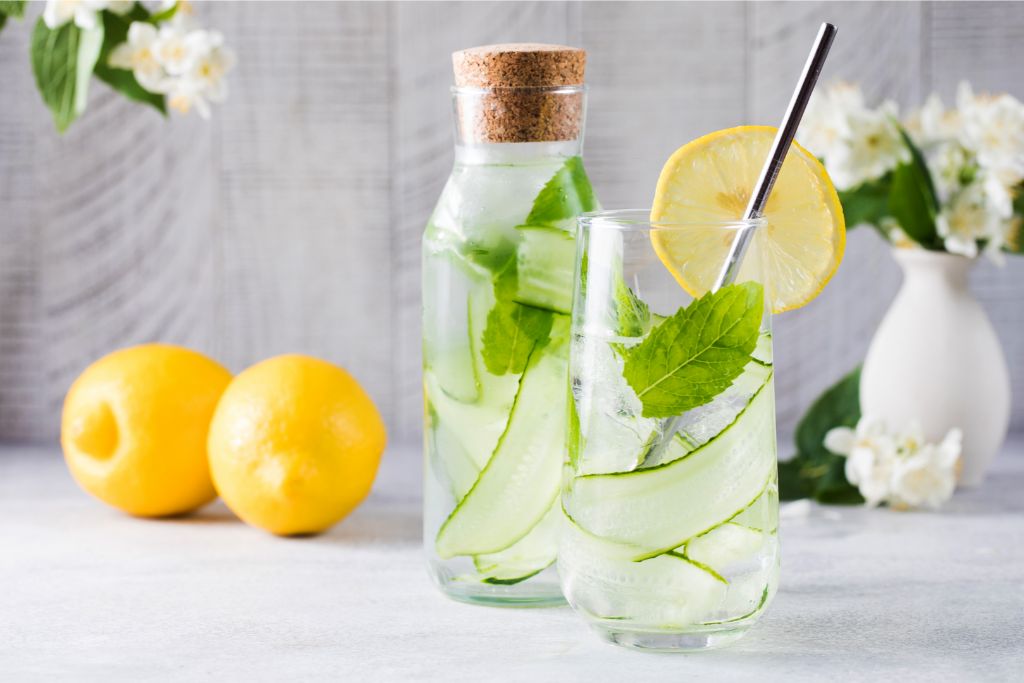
(769, 173)
(783, 139)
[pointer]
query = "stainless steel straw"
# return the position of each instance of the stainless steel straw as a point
(783, 140)
(770, 171)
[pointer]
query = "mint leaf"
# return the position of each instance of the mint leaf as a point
(63, 60)
(514, 329)
(115, 28)
(632, 314)
(512, 332)
(565, 196)
(696, 354)
(912, 199)
(815, 472)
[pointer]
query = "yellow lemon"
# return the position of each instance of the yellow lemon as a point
(134, 428)
(710, 180)
(294, 445)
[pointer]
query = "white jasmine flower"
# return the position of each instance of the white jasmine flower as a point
(947, 162)
(998, 195)
(933, 123)
(869, 452)
(926, 477)
(873, 147)
(967, 219)
(138, 55)
(857, 143)
(173, 51)
(84, 12)
(897, 468)
(204, 81)
(824, 123)
(869, 471)
(993, 128)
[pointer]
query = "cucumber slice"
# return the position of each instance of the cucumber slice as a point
(521, 480)
(449, 459)
(700, 425)
(747, 595)
(601, 578)
(763, 350)
(725, 546)
(660, 508)
(532, 554)
(763, 513)
(545, 265)
(476, 426)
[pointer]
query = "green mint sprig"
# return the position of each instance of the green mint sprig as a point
(512, 332)
(695, 354)
(564, 197)
(513, 329)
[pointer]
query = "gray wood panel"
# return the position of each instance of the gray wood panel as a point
(649, 96)
(303, 156)
(23, 411)
(291, 221)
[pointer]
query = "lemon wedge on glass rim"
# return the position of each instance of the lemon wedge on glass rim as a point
(793, 254)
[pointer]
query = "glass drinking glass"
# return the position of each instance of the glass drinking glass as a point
(670, 492)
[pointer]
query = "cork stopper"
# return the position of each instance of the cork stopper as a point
(520, 101)
(517, 65)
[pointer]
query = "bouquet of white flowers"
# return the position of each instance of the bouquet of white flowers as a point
(844, 457)
(943, 179)
(159, 56)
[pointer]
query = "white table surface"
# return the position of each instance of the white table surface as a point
(90, 594)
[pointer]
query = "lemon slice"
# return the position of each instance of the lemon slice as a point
(709, 180)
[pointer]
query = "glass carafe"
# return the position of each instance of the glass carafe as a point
(498, 269)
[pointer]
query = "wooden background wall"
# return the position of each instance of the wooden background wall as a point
(291, 221)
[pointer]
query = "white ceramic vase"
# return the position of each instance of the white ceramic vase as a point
(936, 359)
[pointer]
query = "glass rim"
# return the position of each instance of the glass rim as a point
(528, 89)
(639, 220)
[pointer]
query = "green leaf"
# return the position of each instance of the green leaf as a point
(912, 199)
(63, 60)
(868, 203)
(3, 21)
(1015, 240)
(632, 314)
(793, 484)
(564, 197)
(123, 81)
(838, 406)
(164, 15)
(512, 332)
(13, 8)
(833, 489)
(695, 354)
(815, 472)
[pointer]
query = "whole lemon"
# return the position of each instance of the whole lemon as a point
(134, 428)
(294, 445)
